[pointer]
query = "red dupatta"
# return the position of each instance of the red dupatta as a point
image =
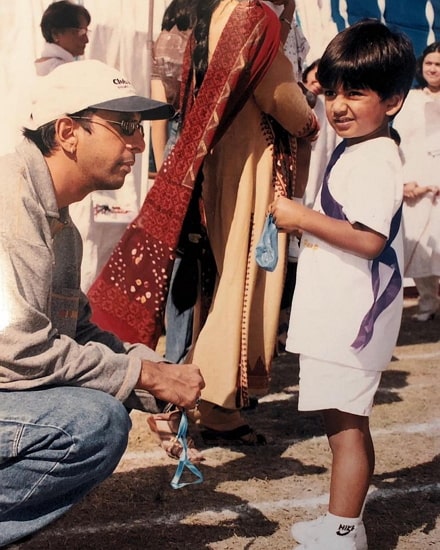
(128, 297)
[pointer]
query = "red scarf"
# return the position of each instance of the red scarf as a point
(128, 297)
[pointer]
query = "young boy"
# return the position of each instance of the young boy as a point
(347, 305)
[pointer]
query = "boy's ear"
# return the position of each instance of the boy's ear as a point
(394, 104)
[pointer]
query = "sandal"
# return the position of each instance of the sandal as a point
(243, 435)
(165, 427)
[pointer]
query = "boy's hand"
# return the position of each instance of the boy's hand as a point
(287, 214)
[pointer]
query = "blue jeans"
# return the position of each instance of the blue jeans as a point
(56, 444)
(178, 326)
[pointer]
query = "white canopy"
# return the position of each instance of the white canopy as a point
(122, 32)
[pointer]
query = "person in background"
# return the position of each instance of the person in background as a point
(241, 113)
(66, 385)
(418, 125)
(348, 299)
(322, 147)
(310, 79)
(168, 51)
(296, 48)
(64, 26)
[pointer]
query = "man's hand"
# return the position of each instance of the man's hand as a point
(178, 384)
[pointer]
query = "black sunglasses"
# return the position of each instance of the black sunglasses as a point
(128, 127)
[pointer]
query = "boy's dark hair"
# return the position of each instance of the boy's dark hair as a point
(368, 55)
(434, 47)
(62, 15)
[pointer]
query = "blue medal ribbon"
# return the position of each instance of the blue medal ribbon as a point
(184, 461)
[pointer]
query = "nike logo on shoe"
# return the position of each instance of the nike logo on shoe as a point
(344, 530)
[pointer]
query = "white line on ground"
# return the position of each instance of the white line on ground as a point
(216, 515)
(416, 356)
(430, 428)
(221, 514)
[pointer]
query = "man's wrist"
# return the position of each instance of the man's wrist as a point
(148, 375)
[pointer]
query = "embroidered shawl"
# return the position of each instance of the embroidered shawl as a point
(129, 295)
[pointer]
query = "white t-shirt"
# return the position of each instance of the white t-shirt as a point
(334, 288)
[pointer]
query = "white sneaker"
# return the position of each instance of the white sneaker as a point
(423, 317)
(304, 531)
(325, 544)
(308, 531)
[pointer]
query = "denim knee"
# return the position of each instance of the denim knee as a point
(56, 445)
(103, 436)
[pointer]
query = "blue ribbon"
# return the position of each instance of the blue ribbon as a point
(266, 251)
(387, 257)
(184, 461)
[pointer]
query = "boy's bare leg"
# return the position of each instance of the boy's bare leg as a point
(353, 461)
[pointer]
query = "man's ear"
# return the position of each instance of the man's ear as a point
(66, 131)
(394, 104)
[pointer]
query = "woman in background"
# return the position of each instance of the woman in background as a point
(64, 28)
(166, 78)
(166, 73)
(418, 125)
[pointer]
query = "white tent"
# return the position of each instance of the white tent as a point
(122, 32)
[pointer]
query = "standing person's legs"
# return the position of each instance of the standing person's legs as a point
(352, 464)
(178, 325)
(335, 389)
(428, 288)
(352, 467)
(56, 445)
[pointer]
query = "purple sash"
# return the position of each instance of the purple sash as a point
(388, 257)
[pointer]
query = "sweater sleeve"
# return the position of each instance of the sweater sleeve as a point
(33, 353)
(45, 337)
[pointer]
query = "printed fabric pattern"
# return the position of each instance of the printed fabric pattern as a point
(129, 295)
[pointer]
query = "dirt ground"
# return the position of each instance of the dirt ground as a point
(251, 496)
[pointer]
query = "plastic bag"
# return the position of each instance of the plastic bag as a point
(266, 252)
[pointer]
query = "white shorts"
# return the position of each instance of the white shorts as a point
(325, 385)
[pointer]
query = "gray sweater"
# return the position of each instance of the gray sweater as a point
(46, 336)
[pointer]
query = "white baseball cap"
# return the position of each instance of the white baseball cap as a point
(78, 85)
